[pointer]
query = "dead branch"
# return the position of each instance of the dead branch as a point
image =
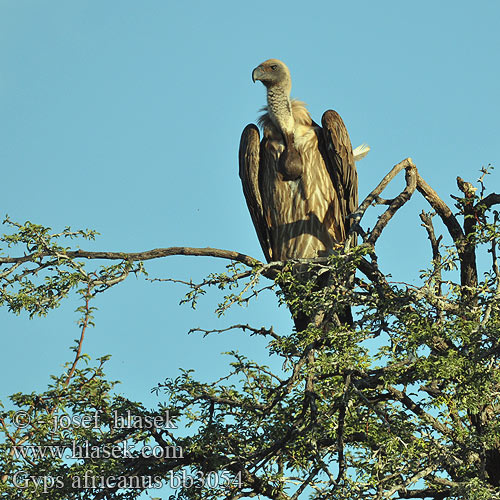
(466, 251)
(426, 219)
(397, 203)
(442, 209)
(374, 196)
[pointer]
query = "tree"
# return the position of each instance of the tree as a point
(415, 414)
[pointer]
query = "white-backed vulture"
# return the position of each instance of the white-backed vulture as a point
(300, 181)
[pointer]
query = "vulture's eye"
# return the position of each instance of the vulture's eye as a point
(274, 66)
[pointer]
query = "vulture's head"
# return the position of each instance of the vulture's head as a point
(273, 73)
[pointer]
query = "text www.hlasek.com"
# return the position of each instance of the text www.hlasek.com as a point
(88, 450)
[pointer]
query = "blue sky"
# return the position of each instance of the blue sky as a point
(125, 117)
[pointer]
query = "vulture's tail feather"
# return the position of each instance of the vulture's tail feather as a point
(360, 152)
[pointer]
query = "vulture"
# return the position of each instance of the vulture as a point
(300, 180)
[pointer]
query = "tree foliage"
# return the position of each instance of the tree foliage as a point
(403, 403)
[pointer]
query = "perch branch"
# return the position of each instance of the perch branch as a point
(140, 256)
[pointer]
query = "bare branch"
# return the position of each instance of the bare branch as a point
(140, 256)
(466, 250)
(484, 172)
(255, 331)
(373, 197)
(426, 219)
(489, 201)
(380, 187)
(397, 203)
(442, 209)
(382, 201)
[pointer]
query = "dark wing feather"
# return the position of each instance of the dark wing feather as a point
(249, 175)
(340, 162)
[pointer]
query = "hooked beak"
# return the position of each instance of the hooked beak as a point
(257, 74)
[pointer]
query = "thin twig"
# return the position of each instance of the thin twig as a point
(426, 219)
(255, 331)
(86, 319)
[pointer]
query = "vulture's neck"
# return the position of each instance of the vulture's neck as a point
(280, 109)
